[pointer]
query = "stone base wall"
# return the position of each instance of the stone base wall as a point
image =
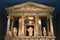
(31, 38)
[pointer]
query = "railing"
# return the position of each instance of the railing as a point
(31, 38)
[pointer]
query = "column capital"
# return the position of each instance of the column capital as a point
(8, 16)
(50, 16)
(11, 17)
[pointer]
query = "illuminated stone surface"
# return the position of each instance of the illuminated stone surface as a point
(30, 14)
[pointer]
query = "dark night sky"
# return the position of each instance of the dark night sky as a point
(7, 3)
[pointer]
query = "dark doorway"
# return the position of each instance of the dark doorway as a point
(27, 33)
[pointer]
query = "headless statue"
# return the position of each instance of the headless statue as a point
(30, 30)
(15, 31)
(44, 31)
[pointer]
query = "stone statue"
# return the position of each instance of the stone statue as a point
(44, 31)
(15, 31)
(30, 30)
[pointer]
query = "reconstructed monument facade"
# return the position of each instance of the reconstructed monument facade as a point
(34, 22)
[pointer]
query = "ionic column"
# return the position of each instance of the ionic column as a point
(8, 25)
(47, 20)
(20, 27)
(36, 19)
(40, 29)
(12, 24)
(23, 26)
(51, 26)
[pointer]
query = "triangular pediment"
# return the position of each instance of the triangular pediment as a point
(29, 7)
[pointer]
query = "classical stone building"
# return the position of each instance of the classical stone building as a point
(34, 22)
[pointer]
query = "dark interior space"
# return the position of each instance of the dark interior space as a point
(16, 23)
